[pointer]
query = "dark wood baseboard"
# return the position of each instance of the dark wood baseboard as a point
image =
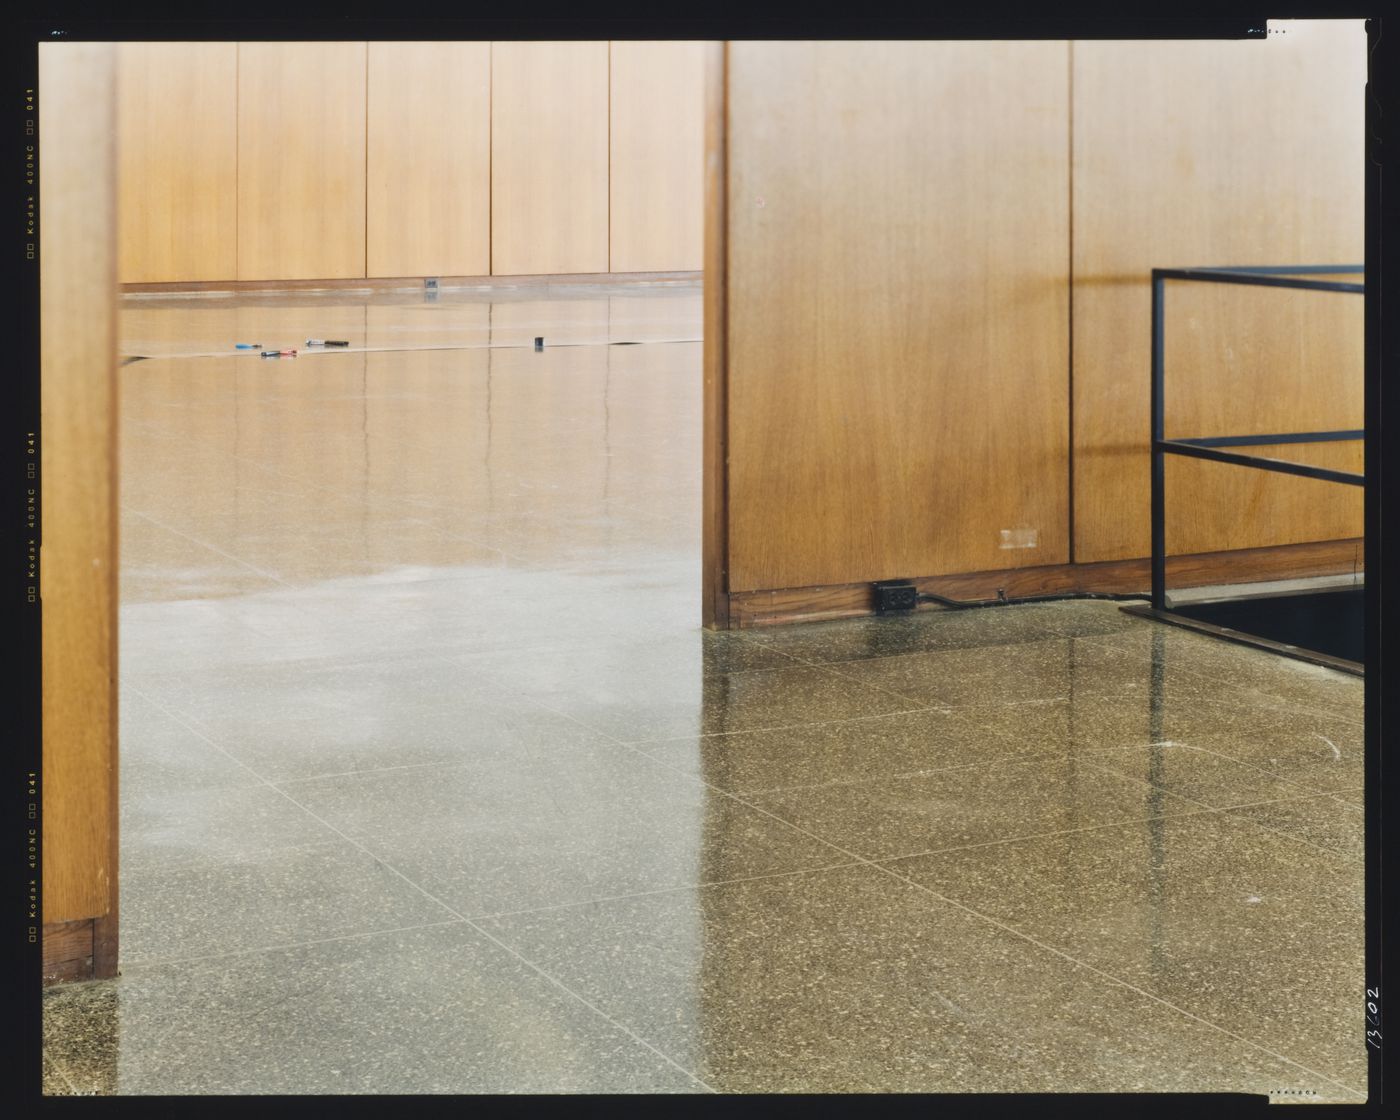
(415, 283)
(85, 949)
(68, 951)
(851, 600)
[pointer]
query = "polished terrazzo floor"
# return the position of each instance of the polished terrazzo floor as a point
(431, 782)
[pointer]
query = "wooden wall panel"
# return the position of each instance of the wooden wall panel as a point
(897, 309)
(429, 159)
(714, 561)
(177, 129)
(549, 157)
(301, 160)
(1216, 153)
(78, 273)
(656, 153)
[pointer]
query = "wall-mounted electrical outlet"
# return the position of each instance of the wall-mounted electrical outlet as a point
(1020, 538)
(895, 595)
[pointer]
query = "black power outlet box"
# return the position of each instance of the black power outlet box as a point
(895, 595)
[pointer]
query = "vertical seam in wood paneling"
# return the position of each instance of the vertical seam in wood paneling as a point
(724, 255)
(105, 953)
(610, 171)
(1069, 292)
(237, 149)
(715, 549)
(366, 270)
(491, 158)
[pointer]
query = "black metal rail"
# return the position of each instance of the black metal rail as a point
(1267, 276)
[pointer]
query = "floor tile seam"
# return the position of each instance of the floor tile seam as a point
(1285, 706)
(841, 783)
(828, 667)
(238, 490)
(964, 649)
(1355, 859)
(1025, 760)
(1204, 674)
(923, 704)
(332, 671)
(1044, 640)
(698, 885)
(858, 859)
(702, 783)
(177, 716)
(1182, 743)
(485, 933)
(1200, 811)
(517, 697)
(443, 764)
(154, 963)
(1288, 707)
(1307, 795)
(586, 646)
(61, 1070)
(1118, 980)
(129, 801)
(1121, 822)
(635, 743)
(399, 502)
(215, 549)
(779, 727)
(264, 780)
(160, 864)
(1005, 840)
(1293, 838)
(279, 782)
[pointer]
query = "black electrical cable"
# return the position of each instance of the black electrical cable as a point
(1002, 601)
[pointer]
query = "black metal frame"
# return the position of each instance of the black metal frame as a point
(1270, 276)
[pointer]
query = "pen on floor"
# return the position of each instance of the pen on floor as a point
(247, 345)
(325, 342)
(279, 353)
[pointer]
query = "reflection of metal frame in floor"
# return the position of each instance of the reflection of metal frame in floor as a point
(1330, 618)
(1309, 616)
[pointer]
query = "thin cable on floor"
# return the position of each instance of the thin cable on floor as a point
(1002, 601)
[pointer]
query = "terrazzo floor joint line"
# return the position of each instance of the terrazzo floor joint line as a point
(853, 858)
(856, 858)
(151, 962)
(213, 548)
(501, 944)
(467, 921)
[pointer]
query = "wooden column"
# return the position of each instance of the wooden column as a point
(78, 550)
(715, 559)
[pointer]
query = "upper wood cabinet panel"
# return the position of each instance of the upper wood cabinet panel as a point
(429, 178)
(177, 158)
(301, 161)
(656, 168)
(549, 157)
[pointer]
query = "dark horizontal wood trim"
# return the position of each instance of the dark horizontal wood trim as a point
(851, 600)
(68, 950)
(380, 283)
(85, 949)
(104, 946)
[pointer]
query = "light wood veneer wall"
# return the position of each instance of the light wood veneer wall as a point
(78, 412)
(1216, 153)
(901, 389)
(301, 160)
